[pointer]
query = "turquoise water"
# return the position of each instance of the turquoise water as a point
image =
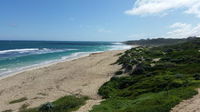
(19, 55)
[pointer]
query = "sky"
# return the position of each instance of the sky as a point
(98, 20)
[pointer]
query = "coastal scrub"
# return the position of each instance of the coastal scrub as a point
(18, 100)
(159, 78)
(64, 104)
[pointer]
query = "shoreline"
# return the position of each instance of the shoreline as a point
(38, 66)
(83, 75)
(52, 62)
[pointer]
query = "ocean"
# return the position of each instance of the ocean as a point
(16, 56)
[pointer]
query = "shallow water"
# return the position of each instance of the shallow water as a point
(19, 55)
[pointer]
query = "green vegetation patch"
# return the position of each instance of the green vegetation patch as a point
(64, 104)
(18, 100)
(140, 98)
(159, 78)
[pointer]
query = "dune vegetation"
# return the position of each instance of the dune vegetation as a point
(18, 100)
(158, 79)
(64, 104)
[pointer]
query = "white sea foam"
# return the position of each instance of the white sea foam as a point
(5, 72)
(33, 51)
(76, 55)
(18, 50)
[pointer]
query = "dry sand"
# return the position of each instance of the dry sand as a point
(81, 76)
(190, 105)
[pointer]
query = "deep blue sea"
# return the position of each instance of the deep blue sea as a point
(16, 56)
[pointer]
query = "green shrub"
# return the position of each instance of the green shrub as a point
(64, 104)
(119, 72)
(179, 75)
(128, 68)
(196, 76)
(18, 100)
(148, 102)
(169, 50)
(164, 65)
(46, 107)
(139, 69)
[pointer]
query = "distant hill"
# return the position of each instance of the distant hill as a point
(158, 41)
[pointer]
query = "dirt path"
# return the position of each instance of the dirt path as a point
(88, 106)
(190, 105)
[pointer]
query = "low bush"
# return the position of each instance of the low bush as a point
(196, 76)
(148, 102)
(18, 100)
(64, 104)
(119, 72)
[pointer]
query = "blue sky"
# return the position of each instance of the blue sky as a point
(98, 20)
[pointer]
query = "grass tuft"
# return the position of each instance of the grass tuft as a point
(64, 104)
(18, 100)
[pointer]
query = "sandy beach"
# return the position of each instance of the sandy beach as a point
(80, 76)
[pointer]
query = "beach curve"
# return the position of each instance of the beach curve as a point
(80, 76)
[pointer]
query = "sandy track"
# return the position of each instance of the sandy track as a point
(190, 105)
(88, 106)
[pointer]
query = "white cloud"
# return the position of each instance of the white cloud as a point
(145, 7)
(183, 30)
(177, 30)
(180, 25)
(195, 9)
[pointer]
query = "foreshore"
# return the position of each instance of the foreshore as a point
(81, 76)
(33, 67)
